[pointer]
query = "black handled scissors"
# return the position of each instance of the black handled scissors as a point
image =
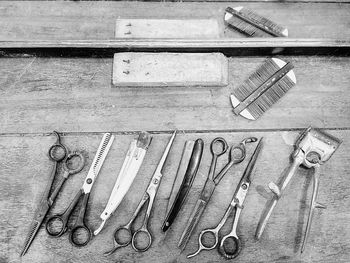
(237, 155)
(57, 153)
(80, 234)
(150, 194)
(237, 205)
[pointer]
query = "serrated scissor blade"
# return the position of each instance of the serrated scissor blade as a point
(34, 228)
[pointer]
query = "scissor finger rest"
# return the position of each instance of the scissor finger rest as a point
(225, 248)
(80, 235)
(138, 240)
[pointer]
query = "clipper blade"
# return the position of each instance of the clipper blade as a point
(263, 88)
(252, 24)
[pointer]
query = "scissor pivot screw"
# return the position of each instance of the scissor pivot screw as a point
(155, 181)
(89, 181)
(244, 187)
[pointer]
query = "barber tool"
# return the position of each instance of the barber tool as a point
(237, 206)
(237, 155)
(312, 149)
(134, 237)
(253, 24)
(127, 174)
(263, 88)
(80, 234)
(58, 153)
(196, 150)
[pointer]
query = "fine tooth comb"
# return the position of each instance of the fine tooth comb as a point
(252, 24)
(263, 88)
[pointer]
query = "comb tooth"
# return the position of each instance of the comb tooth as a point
(271, 96)
(262, 25)
(256, 79)
(246, 28)
(31, 234)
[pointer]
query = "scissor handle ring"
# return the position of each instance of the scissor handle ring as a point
(75, 241)
(214, 233)
(80, 166)
(237, 250)
(117, 240)
(241, 157)
(134, 242)
(51, 221)
(223, 143)
(53, 149)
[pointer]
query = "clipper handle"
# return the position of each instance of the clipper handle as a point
(314, 204)
(298, 158)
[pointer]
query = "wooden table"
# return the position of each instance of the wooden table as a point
(55, 74)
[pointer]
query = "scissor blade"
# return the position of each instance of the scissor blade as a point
(165, 155)
(34, 228)
(265, 218)
(99, 158)
(192, 223)
(248, 170)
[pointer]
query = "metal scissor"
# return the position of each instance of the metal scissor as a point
(80, 234)
(57, 153)
(149, 196)
(237, 155)
(237, 205)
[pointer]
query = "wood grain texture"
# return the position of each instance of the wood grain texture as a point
(38, 20)
(38, 95)
(25, 169)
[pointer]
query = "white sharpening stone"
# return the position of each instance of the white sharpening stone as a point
(169, 69)
(167, 28)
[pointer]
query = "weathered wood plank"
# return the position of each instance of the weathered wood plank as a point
(37, 20)
(38, 95)
(25, 169)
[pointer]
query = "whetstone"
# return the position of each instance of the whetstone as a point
(170, 69)
(167, 28)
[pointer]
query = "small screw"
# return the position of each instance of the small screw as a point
(244, 186)
(89, 181)
(155, 181)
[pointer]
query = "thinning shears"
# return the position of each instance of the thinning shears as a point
(58, 153)
(237, 206)
(149, 195)
(80, 234)
(237, 155)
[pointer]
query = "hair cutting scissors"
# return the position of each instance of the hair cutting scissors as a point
(237, 155)
(149, 195)
(57, 153)
(237, 205)
(80, 234)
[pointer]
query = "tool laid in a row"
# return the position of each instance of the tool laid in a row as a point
(312, 149)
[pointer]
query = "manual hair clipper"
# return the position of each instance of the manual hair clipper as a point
(313, 148)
